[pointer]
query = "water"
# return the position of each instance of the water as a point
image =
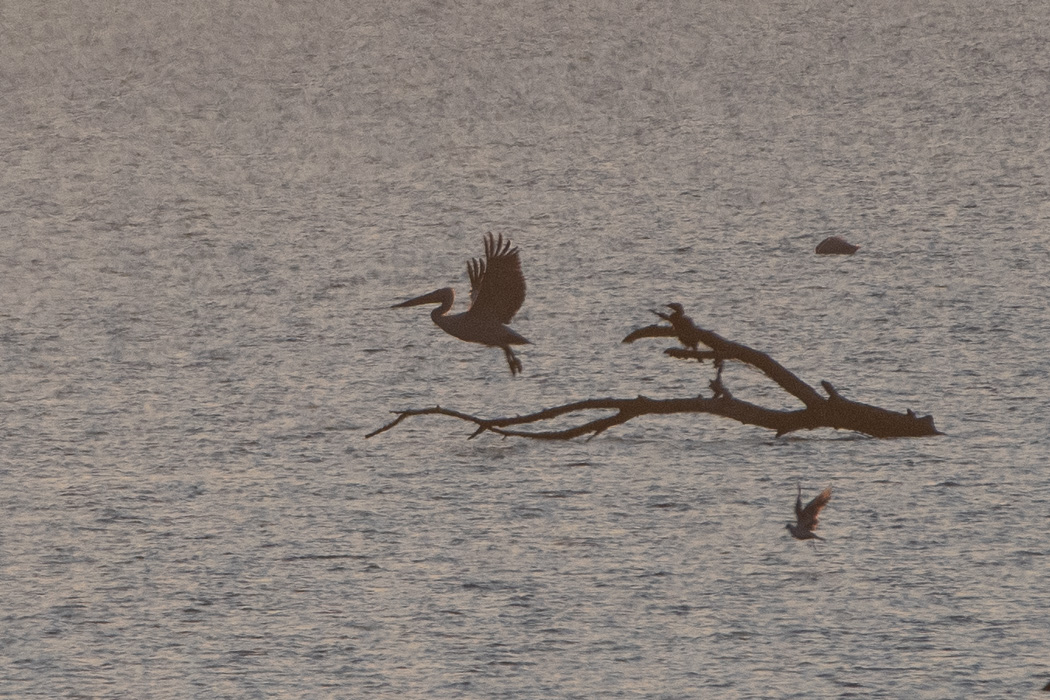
(206, 213)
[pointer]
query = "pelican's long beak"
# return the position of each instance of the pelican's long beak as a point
(435, 297)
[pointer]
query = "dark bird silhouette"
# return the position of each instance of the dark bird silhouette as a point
(497, 291)
(806, 518)
(682, 327)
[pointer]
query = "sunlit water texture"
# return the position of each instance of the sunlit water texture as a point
(206, 212)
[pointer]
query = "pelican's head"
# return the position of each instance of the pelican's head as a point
(676, 307)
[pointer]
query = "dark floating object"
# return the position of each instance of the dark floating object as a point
(835, 245)
(497, 291)
(806, 518)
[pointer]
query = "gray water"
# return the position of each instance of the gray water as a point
(206, 211)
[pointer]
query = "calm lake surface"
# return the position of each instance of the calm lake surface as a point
(206, 212)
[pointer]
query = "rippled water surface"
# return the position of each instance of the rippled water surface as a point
(206, 213)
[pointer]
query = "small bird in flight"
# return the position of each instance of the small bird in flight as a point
(806, 518)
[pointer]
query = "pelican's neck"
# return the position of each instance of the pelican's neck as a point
(446, 297)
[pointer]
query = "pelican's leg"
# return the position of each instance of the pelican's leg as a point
(512, 360)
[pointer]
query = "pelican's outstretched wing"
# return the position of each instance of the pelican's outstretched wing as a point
(807, 517)
(497, 285)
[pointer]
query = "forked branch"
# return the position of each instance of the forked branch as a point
(832, 411)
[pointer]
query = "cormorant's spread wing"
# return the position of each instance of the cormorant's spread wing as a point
(497, 285)
(650, 332)
(682, 327)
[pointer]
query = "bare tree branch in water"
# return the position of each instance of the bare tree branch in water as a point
(818, 411)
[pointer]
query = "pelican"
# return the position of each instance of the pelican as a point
(497, 290)
(806, 518)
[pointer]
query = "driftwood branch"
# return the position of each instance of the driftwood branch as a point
(818, 411)
(626, 409)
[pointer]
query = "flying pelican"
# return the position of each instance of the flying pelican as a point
(497, 290)
(806, 518)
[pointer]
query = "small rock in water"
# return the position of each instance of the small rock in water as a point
(834, 245)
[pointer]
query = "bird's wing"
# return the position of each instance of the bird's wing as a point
(650, 332)
(497, 285)
(684, 327)
(808, 517)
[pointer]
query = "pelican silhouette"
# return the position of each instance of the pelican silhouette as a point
(497, 291)
(806, 518)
